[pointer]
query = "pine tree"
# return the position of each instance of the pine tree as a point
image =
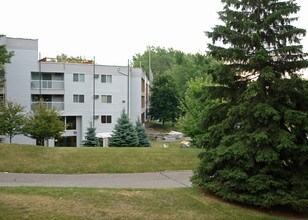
(142, 135)
(124, 133)
(90, 139)
(256, 139)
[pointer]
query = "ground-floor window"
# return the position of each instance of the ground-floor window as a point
(142, 118)
(70, 123)
(68, 141)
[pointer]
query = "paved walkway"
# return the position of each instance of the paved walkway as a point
(167, 179)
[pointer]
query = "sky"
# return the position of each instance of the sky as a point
(113, 31)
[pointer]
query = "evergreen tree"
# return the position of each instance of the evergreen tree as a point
(142, 135)
(164, 99)
(90, 139)
(256, 139)
(124, 133)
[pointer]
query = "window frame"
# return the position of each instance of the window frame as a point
(106, 119)
(78, 98)
(107, 99)
(106, 78)
(78, 77)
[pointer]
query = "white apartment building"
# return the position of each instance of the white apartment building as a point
(86, 94)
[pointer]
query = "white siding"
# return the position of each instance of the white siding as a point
(18, 75)
(18, 88)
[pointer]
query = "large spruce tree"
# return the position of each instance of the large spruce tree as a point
(256, 139)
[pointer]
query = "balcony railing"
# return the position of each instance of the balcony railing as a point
(47, 84)
(58, 105)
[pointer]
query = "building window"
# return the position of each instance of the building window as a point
(106, 99)
(142, 101)
(106, 78)
(78, 77)
(142, 85)
(106, 119)
(70, 123)
(78, 98)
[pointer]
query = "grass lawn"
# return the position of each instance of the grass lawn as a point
(35, 159)
(82, 203)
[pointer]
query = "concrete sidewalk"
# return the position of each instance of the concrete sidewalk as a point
(167, 179)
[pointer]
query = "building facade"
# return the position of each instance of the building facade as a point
(86, 94)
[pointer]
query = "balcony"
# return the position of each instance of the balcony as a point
(47, 84)
(58, 105)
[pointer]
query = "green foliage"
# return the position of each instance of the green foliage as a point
(11, 118)
(161, 59)
(142, 135)
(190, 67)
(124, 133)
(181, 66)
(164, 99)
(90, 139)
(66, 59)
(256, 139)
(194, 108)
(5, 57)
(43, 123)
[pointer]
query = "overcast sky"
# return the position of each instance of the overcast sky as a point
(115, 30)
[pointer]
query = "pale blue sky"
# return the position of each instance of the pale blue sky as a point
(114, 30)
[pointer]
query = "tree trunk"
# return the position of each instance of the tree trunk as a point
(39, 142)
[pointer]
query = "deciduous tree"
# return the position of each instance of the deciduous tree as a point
(189, 67)
(164, 99)
(5, 57)
(43, 123)
(193, 106)
(161, 59)
(11, 118)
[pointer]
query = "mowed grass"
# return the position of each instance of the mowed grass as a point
(36, 159)
(82, 203)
